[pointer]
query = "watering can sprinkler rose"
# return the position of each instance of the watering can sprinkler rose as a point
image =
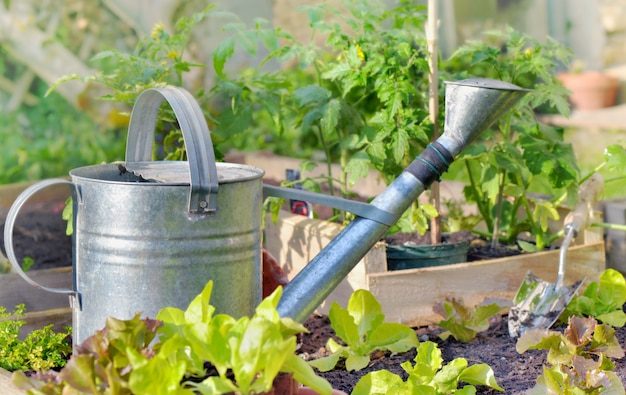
(151, 234)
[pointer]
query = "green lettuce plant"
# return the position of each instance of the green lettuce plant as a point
(362, 328)
(184, 352)
(463, 322)
(429, 376)
(579, 359)
(41, 349)
(604, 300)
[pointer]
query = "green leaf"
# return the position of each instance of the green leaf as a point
(357, 362)
(199, 310)
(214, 385)
(381, 382)
(538, 339)
(330, 118)
(311, 94)
(428, 354)
(366, 311)
(327, 363)
(615, 318)
(480, 374)
(343, 324)
(400, 145)
(304, 375)
(68, 216)
(448, 376)
(27, 263)
(222, 54)
(358, 167)
(393, 337)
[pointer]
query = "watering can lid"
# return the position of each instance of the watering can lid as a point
(164, 173)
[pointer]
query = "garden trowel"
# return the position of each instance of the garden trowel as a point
(539, 303)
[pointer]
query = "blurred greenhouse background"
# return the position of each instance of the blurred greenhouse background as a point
(42, 41)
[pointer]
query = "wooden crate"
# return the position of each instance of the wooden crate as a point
(408, 295)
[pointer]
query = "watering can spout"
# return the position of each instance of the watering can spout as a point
(472, 105)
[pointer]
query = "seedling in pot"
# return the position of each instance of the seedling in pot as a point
(362, 328)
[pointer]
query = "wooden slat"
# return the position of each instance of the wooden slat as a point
(7, 385)
(409, 295)
(14, 290)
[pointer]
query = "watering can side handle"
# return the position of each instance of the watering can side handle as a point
(196, 135)
(8, 233)
(361, 209)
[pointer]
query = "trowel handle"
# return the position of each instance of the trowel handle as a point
(201, 159)
(8, 233)
(588, 193)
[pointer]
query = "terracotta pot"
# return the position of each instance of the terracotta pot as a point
(590, 89)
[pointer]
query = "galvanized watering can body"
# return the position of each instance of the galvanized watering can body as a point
(141, 246)
(141, 243)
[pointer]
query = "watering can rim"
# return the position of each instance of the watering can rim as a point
(227, 173)
(487, 83)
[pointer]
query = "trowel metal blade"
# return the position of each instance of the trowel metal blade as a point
(538, 304)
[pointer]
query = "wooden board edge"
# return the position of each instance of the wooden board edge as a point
(408, 295)
(6, 384)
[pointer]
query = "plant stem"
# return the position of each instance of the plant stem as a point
(606, 225)
(433, 109)
(478, 197)
(496, 222)
(329, 167)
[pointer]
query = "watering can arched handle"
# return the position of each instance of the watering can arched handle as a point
(201, 158)
(8, 234)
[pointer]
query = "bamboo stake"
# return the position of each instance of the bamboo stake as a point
(433, 107)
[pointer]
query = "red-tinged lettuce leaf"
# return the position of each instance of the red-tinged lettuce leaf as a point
(605, 342)
(79, 373)
(579, 330)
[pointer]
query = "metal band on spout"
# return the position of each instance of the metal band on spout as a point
(430, 165)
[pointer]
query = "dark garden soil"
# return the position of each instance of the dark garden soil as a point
(39, 233)
(515, 373)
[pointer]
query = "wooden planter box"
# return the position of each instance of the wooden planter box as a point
(409, 295)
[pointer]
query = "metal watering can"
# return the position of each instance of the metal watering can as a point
(151, 234)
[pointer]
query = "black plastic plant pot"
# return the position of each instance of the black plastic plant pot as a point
(400, 257)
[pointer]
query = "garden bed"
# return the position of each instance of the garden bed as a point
(408, 295)
(514, 372)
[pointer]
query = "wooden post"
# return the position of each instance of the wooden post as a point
(433, 108)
